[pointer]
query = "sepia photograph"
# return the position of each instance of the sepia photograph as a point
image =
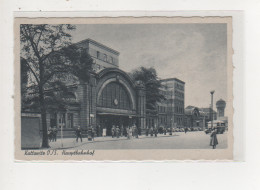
(146, 84)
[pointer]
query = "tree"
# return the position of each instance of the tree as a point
(47, 53)
(148, 77)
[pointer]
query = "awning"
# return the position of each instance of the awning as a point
(117, 114)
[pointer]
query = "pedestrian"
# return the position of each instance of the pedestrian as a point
(125, 131)
(117, 132)
(113, 131)
(155, 131)
(78, 134)
(50, 134)
(151, 131)
(147, 131)
(122, 131)
(186, 129)
(54, 131)
(170, 133)
(213, 138)
(130, 132)
(98, 130)
(135, 131)
(104, 132)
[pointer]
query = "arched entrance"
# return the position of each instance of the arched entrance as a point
(116, 100)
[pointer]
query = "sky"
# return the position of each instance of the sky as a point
(193, 53)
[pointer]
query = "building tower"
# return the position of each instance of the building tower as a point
(221, 105)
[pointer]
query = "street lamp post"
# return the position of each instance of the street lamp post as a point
(212, 92)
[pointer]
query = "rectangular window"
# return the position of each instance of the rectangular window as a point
(105, 57)
(70, 120)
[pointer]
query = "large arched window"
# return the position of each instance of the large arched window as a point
(115, 96)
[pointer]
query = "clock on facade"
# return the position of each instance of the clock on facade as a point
(116, 102)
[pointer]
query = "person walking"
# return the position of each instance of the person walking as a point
(122, 131)
(117, 132)
(104, 132)
(147, 131)
(130, 132)
(213, 138)
(135, 131)
(50, 134)
(151, 131)
(54, 131)
(113, 131)
(186, 129)
(155, 131)
(78, 134)
(125, 131)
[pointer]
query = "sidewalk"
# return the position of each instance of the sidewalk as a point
(67, 143)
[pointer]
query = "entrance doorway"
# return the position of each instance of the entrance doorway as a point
(107, 121)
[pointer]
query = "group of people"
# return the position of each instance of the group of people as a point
(128, 132)
(52, 134)
(90, 133)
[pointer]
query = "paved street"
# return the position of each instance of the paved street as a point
(190, 140)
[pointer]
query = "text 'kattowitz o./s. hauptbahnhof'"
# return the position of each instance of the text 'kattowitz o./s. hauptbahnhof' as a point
(113, 98)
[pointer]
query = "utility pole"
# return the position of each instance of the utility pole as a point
(212, 93)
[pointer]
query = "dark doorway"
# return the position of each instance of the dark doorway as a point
(107, 121)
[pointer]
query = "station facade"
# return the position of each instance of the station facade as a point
(110, 97)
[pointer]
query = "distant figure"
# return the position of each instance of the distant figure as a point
(125, 131)
(122, 131)
(50, 134)
(117, 132)
(54, 131)
(170, 133)
(213, 139)
(113, 131)
(78, 134)
(98, 131)
(104, 132)
(155, 131)
(164, 130)
(130, 132)
(147, 131)
(135, 131)
(186, 129)
(151, 131)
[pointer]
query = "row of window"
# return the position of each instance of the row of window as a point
(179, 109)
(105, 57)
(162, 109)
(179, 121)
(178, 94)
(179, 86)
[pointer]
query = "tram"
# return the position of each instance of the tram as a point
(220, 125)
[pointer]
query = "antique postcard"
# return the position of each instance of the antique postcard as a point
(123, 88)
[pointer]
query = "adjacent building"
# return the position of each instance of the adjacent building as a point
(171, 111)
